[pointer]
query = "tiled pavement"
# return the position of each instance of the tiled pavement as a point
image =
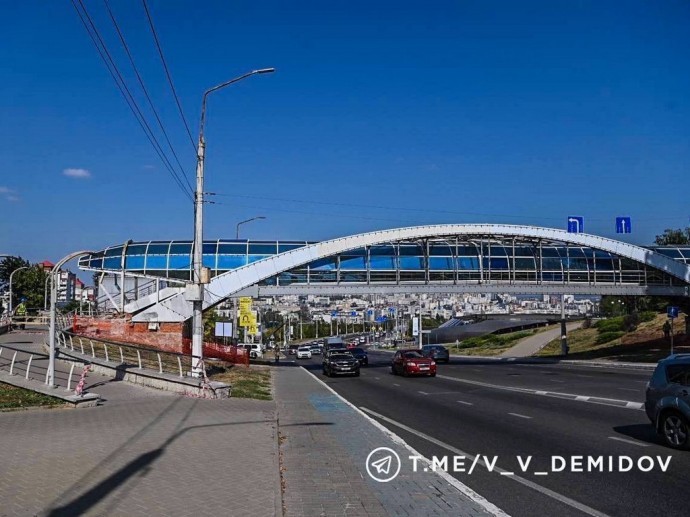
(141, 453)
(324, 446)
(144, 452)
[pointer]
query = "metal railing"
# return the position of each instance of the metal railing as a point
(142, 357)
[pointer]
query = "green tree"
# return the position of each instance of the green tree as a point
(10, 264)
(671, 237)
(28, 283)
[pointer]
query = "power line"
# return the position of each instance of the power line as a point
(124, 91)
(403, 209)
(167, 74)
(146, 93)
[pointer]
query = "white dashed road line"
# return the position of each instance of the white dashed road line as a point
(520, 416)
(466, 403)
(640, 444)
(626, 404)
(523, 481)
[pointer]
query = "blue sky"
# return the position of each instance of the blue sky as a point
(380, 114)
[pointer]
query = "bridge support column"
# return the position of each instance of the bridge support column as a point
(564, 332)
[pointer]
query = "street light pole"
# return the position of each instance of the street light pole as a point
(237, 233)
(53, 310)
(11, 275)
(195, 291)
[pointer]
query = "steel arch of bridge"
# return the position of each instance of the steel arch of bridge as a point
(676, 274)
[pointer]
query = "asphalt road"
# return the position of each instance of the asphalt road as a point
(502, 410)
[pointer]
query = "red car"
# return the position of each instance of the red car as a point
(412, 362)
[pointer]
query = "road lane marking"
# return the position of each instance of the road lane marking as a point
(523, 481)
(629, 389)
(628, 441)
(520, 416)
(394, 384)
(625, 404)
(466, 403)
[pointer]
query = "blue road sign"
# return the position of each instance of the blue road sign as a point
(334, 313)
(576, 224)
(391, 309)
(353, 313)
(672, 312)
(623, 225)
(370, 312)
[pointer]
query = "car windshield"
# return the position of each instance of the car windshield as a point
(340, 357)
(413, 355)
(357, 350)
(304, 349)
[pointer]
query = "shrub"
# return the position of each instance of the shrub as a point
(605, 337)
(647, 316)
(616, 324)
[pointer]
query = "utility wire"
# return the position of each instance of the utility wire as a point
(400, 208)
(167, 74)
(146, 93)
(126, 94)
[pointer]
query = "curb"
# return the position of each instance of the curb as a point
(461, 487)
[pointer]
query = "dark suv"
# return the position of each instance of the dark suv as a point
(667, 401)
(438, 353)
(340, 364)
(361, 355)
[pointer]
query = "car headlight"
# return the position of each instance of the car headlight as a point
(433, 363)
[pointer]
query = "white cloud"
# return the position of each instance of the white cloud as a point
(76, 173)
(9, 194)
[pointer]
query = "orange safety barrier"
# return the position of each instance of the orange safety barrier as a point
(230, 353)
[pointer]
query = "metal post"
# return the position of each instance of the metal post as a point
(237, 230)
(45, 293)
(195, 291)
(564, 334)
(672, 336)
(11, 275)
(420, 329)
(50, 374)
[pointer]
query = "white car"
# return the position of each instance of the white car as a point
(304, 352)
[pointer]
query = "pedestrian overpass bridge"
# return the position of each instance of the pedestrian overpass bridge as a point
(460, 258)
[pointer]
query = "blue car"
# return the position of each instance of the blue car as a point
(667, 401)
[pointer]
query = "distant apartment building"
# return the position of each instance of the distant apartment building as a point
(69, 287)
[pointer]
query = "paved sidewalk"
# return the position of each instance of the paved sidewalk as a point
(142, 452)
(324, 447)
(532, 344)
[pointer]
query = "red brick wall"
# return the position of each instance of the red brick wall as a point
(167, 337)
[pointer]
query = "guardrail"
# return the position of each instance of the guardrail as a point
(178, 364)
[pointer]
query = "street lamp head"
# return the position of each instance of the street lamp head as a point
(264, 71)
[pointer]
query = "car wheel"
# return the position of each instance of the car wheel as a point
(674, 428)
(393, 372)
(357, 373)
(323, 370)
(432, 374)
(404, 371)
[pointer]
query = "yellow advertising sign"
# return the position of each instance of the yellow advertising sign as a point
(248, 319)
(253, 329)
(245, 304)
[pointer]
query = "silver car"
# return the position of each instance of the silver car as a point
(667, 402)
